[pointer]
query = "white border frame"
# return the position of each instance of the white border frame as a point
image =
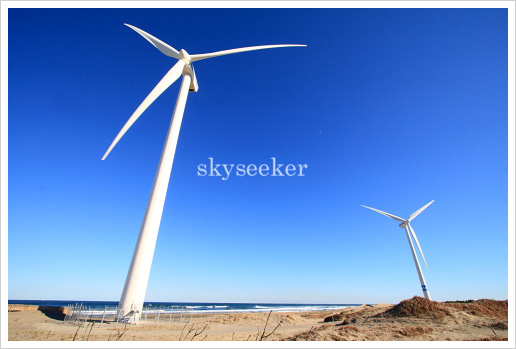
(5, 5)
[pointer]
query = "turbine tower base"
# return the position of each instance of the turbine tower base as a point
(133, 295)
(132, 315)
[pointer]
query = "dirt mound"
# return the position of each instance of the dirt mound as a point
(418, 307)
(362, 311)
(487, 307)
(292, 319)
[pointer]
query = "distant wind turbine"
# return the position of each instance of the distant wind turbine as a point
(405, 223)
(133, 295)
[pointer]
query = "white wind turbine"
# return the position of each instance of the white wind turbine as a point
(405, 223)
(133, 295)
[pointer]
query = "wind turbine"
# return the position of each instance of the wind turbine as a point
(133, 295)
(405, 223)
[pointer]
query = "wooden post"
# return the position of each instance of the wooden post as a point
(103, 316)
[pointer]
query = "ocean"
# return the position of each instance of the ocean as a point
(195, 307)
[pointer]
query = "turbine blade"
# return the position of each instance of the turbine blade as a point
(415, 214)
(173, 74)
(198, 57)
(160, 45)
(417, 242)
(385, 214)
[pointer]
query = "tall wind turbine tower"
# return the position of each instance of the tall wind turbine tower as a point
(405, 224)
(133, 295)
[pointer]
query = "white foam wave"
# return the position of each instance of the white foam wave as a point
(221, 309)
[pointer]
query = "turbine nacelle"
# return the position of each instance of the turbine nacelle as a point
(403, 224)
(194, 85)
(189, 70)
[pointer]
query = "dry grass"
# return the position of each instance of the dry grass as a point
(483, 307)
(412, 319)
(418, 307)
(348, 321)
(414, 331)
(350, 329)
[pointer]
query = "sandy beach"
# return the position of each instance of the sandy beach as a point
(416, 319)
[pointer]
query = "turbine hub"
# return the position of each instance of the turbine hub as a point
(185, 57)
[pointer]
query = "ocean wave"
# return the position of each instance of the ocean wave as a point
(206, 307)
(200, 309)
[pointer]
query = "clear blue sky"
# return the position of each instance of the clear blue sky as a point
(389, 108)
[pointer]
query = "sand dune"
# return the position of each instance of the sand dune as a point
(413, 319)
